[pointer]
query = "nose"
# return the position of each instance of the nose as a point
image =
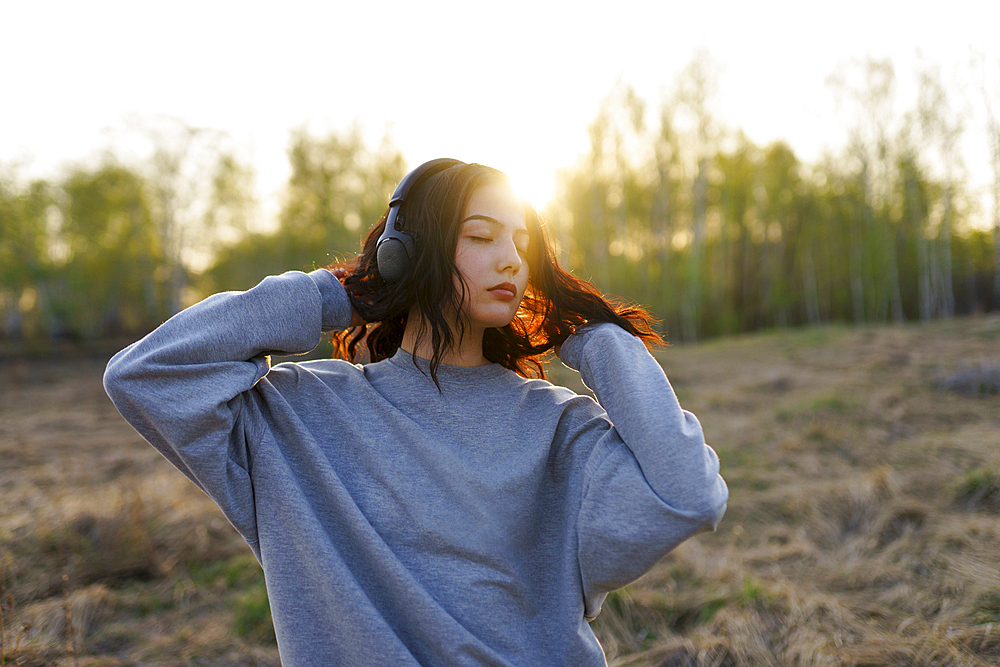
(510, 258)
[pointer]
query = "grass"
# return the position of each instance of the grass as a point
(979, 489)
(863, 527)
(253, 615)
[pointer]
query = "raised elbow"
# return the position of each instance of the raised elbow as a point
(121, 369)
(713, 506)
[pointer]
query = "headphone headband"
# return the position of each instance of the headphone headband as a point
(394, 250)
(426, 169)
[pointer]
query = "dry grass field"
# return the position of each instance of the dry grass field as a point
(863, 526)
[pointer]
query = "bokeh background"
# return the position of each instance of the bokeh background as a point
(806, 195)
(733, 166)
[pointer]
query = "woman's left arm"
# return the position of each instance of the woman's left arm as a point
(652, 481)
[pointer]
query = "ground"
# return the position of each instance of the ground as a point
(863, 526)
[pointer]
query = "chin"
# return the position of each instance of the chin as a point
(494, 318)
(495, 322)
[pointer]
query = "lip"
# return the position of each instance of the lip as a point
(503, 290)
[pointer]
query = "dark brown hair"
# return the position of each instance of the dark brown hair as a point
(554, 305)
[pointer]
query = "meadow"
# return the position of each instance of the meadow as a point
(863, 526)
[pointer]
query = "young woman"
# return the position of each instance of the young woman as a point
(435, 506)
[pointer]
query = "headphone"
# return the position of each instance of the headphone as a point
(394, 249)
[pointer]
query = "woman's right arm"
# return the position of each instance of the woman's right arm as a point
(182, 386)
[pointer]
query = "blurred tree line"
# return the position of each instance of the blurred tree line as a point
(715, 234)
(116, 249)
(719, 235)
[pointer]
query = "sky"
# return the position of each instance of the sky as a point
(513, 85)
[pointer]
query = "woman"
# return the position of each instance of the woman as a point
(435, 506)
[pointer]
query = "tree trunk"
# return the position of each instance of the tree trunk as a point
(663, 228)
(895, 294)
(996, 257)
(948, 290)
(811, 293)
(857, 279)
(599, 247)
(767, 284)
(720, 282)
(693, 309)
(780, 284)
(937, 291)
(996, 235)
(993, 129)
(924, 293)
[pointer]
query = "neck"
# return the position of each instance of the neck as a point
(465, 352)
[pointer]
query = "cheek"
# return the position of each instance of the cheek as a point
(470, 262)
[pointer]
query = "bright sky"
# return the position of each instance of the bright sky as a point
(513, 85)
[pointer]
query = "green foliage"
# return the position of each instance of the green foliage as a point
(338, 189)
(110, 251)
(24, 262)
(715, 234)
(112, 279)
(721, 236)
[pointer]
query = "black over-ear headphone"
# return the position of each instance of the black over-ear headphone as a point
(394, 250)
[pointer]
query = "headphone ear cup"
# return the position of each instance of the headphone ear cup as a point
(395, 247)
(392, 259)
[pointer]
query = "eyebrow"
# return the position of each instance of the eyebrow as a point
(494, 222)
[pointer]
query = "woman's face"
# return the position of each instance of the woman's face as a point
(491, 254)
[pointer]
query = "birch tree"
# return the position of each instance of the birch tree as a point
(869, 90)
(989, 76)
(696, 89)
(941, 128)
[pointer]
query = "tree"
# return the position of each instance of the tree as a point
(738, 209)
(695, 91)
(337, 189)
(24, 260)
(990, 89)
(916, 195)
(667, 210)
(874, 237)
(116, 271)
(184, 167)
(941, 128)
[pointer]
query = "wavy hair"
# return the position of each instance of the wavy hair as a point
(555, 302)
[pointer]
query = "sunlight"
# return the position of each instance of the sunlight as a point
(532, 182)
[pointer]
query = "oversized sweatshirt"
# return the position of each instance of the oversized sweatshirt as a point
(398, 524)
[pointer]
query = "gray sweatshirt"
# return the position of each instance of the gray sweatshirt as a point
(482, 524)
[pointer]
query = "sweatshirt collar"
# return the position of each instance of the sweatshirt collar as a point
(445, 373)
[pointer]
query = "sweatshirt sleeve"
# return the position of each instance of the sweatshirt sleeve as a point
(183, 386)
(652, 481)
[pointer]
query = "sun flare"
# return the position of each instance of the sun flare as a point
(534, 183)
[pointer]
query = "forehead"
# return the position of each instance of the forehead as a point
(498, 203)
